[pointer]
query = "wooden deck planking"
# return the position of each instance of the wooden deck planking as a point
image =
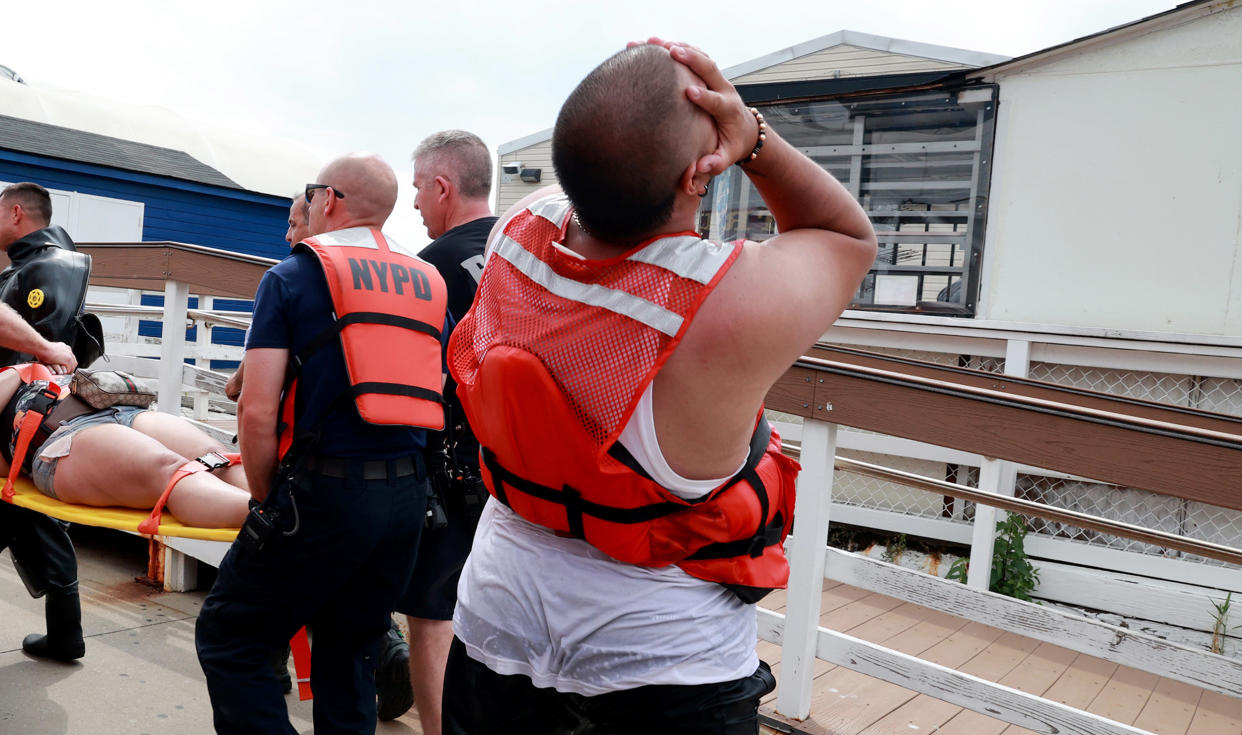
(1217, 714)
(851, 701)
(1170, 708)
(855, 701)
(1077, 686)
(1125, 695)
(845, 702)
(1033, 674)
(941, 628)
(860, 617)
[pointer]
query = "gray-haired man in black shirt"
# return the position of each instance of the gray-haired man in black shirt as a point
(453, 178)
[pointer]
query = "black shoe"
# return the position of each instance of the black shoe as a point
(62, 650)
(393, 695)
(63, 641)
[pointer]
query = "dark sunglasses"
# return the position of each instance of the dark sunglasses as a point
(310, 188)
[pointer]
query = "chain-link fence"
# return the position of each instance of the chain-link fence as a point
(1129, 505)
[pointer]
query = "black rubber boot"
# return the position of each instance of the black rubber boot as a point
(63, 641)
(393, 695)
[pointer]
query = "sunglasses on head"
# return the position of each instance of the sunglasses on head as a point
(310, 191)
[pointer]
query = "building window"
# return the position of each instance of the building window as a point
(919, 163)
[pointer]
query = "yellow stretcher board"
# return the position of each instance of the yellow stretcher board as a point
(126, 519)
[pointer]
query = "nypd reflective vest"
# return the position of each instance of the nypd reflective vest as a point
(389, 308)
(551, 361)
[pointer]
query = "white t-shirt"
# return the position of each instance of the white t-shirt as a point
(571, 618)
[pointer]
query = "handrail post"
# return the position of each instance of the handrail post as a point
(995, 476)
(172, 346)
(202, 344)
(806, 569)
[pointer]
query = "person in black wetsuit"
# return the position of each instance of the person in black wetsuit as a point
(42, 292)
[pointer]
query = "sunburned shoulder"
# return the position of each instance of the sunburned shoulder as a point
(759, 317)
(727, 315)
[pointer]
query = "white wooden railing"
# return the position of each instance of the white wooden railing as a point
(1173, 368)
(803, 641)
(173, 375)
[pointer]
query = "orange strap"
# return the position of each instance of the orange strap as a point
(152, 524)
(300, 646)
(285, 440)
(30, 422)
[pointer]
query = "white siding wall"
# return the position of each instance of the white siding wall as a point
(1116, 196)
(537, 155)
(843, 61)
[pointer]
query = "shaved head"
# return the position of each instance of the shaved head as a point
(369, 186)
(622, 141)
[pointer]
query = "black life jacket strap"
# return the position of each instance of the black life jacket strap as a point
(575, 506)
(767, 534)
(772, 534)
(330, 333)
(394, 389)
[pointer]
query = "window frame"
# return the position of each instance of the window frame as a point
(854, 91)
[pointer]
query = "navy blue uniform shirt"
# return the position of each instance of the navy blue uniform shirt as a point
(291, 307)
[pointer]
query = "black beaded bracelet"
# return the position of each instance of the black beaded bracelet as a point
(759, 141)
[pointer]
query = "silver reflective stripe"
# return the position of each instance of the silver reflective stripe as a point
(353, 237)
(553, 208)
(397, 247)
(620, 302)
(688, 257)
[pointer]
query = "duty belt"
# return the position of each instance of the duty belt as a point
(369, 469)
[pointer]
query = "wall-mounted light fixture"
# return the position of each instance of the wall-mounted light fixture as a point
(531, 175)
(509, 170)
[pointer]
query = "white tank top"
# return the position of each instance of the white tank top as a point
(563, 613)
(639, 438)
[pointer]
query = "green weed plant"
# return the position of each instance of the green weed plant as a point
(1012, 572)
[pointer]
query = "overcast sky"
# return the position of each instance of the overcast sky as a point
(360, 75)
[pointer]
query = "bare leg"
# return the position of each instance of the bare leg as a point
(188, 441)
(429, 650)
(115, 465)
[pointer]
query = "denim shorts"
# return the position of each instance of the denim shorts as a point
(59, 443)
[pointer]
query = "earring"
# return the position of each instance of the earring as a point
(703, 193)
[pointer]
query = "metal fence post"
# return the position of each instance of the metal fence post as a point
(806, 569)
(172, 346)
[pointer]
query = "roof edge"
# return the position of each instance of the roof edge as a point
(1181, 13)
(853, 38)
(869, 41)
(520, 143)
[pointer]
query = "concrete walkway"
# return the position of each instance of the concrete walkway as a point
(140, 675)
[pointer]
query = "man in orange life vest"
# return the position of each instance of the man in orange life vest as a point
(613, 367)
(332, 450)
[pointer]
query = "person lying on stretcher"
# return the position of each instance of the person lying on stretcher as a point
(119, 456)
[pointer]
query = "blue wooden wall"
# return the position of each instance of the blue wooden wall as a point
(175, 210)
(181, 211)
